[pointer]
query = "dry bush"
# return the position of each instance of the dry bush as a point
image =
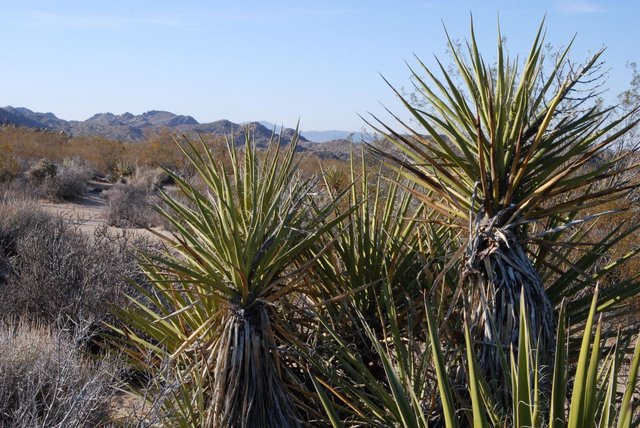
(131, 206)
(101, 153)
(18, 216)
(26, 146)
(159, 149)
(45, 381)
(59, 182)
(31, 145)
(69, 182)
(9, 166)
(42, 170)
(150, 177)
(53, 272)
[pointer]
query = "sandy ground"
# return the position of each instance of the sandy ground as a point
(90, 211)
(128, 408)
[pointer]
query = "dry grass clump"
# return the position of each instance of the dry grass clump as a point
(46, 382)
(18, 189)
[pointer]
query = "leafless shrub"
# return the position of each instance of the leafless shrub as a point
(68, 183)
(53, 272)
(59, 183)
(18, 216)
(46, 382)
(151, 178)
(131, 205)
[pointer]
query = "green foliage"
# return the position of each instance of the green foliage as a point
(516, 163)
(121, 170)
(376, 241)
(510, 134)
(512, 146)
(216, 312)
(427, 299)
(593, 399)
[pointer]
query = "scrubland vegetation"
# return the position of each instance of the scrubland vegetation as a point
(479, 270)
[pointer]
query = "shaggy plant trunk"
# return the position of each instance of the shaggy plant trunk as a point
(248, 390)
(497, 270)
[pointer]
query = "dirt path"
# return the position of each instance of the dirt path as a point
(91, 210)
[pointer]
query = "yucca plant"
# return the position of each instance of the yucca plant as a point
(375, 241)
(382, 245)
(393, 389)
(586, 392)
(595, 399)
(231, 269)
(501, 154)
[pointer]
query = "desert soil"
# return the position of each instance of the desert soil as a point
(90, 211)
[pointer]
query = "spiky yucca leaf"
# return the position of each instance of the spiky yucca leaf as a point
(229, 270)
(593, 397)
(376, 240)
(506, 149)
(374, 245)
(357, 391)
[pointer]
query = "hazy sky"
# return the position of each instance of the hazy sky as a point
(275, 61)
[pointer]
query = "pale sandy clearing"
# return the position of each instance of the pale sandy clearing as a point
(90, 212)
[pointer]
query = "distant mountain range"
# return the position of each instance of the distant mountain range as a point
(130, 127)
(324, 136)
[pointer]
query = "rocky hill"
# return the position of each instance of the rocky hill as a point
(130, 127)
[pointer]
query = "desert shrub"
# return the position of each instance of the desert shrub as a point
(31, 145)
(46, 382)
(99, 152)
(68, 183)
(158, 149)
(9, 166)
(41, 170)
(56, 273)
(131, 205)
(59, 182)
(150, 177)
(18, 216)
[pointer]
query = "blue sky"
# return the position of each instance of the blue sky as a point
(275, 61)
